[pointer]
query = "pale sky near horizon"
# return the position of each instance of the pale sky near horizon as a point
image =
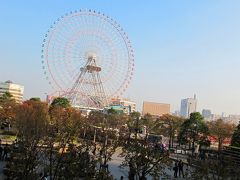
(182, 47)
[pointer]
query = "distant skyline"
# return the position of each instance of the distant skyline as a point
(182, 48)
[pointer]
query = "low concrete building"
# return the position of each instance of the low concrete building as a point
(128, 105)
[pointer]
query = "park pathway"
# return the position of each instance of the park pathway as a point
(2, 165)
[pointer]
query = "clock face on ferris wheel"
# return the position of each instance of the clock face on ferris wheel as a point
(87, 57)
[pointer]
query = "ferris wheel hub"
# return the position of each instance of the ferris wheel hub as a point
(91, 56)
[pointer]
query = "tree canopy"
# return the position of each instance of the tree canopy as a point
(61, 101)
(168, 125)
(236, 137)
(221, 130)
(6, 97)
(194, 130)
(7, 108)
(35, 99)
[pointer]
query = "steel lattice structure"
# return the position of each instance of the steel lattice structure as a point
(88, 57)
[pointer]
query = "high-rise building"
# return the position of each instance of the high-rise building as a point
(206, 113)
(155, 109)
(188, 106)
(14, 89)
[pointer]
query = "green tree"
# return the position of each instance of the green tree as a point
(135, 115)
(57, 108)
(168, 125)
(61, 101)
(35, 99)
(148, 121)
(215, 169)
(111, 111)
(63, 130)
(194, 130)
(72, 157)
(7, 108)
(236, 137)
(100, 130)
(221, 130)
(134, 124)
(143, 159)
(7, 96)
(97, 118)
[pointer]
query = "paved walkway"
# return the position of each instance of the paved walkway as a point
(2, 165)
(178, 157)
(117, 172)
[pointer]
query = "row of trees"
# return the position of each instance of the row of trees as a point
(196, 130)
(58, 141)
(49, 141)
(62, 143)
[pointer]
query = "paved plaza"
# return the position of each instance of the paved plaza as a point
(117, 172)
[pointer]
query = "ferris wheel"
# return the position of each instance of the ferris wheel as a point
(88, 57)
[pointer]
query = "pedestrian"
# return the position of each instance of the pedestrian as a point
(94, 149)
(131, 174)
(121, 178)
(196, 151)
(41, 176)
(175, 168)
(180, 168)
(202, 155)
(5, 151)
(189, 160)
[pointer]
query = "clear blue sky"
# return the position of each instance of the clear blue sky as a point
(181, 47)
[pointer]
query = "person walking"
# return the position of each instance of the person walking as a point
(175, 168)
(131, 174)
(180, 168)
(5, 151)
(94, 149)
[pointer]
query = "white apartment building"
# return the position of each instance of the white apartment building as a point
(14, 89)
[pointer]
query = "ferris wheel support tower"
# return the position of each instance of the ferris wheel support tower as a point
(90, 74)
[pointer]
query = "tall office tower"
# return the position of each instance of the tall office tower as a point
(14, 89)
(188, 106)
